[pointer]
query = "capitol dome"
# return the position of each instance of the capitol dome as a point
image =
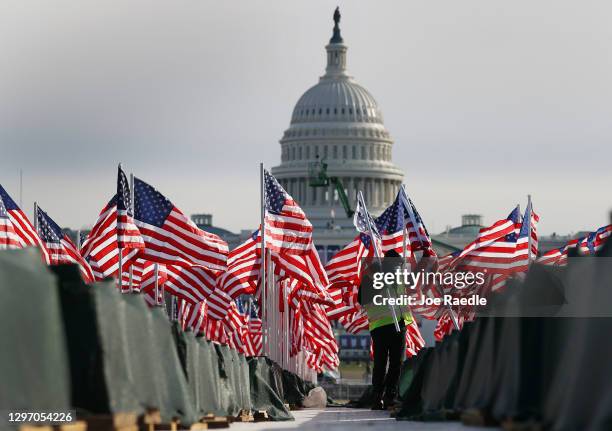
(337, 122)
(336, 100)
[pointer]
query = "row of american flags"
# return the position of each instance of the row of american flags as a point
(150, 247)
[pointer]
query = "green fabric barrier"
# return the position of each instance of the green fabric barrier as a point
(266, 395)
(34, 372)
(235, 376)
(202, 373)
(122, 354)
(227, 392)
(215, 376)
(245, 383)
(218, 377)
(89, 390)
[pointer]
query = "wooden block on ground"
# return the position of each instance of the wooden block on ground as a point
(452, 415)
(73, 426)
(475, 417)
(35, 427)
(511, 425)
(70, 426)
(214, 422)
(245, 416)
(112, 422)
(151, 420)
(260, 416)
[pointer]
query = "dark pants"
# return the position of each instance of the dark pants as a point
(389, 346)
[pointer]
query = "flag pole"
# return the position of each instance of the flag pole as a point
(173, 309)
(262, 275)
(131, 208)
(78, 240)
(156, 275)
(404, 241)
(418, 233)
(35, 219)
(120, 250)
(378, 258)
(286, 325)
(529, 211)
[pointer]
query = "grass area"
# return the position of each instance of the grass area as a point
(354, 370)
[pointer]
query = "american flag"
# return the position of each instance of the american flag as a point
(150, 299)
(101, 249)
(255, 337)
(60, 248)
(594, 241)
(344, 271)
(505, 256)
(236, 328)
(346, 265)
(169, 236)
(255, 332)
(343, 302)
(318, 333)
(493, 250)
(308, 269)
(414, 339)
(558, 256)
(215, 331)
(243, 267)
(417, 232)
(128, 235)
(22, 228)
(363, 221)
(196, 284)
(192, 317)
(444, 326)
(8, 237)
(390, 224)
(355, 322)
(143, 275)
(523, 256)
(445, 261)
(287, 229)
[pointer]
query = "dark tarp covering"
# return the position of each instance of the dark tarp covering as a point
(228, 381)
(100, 351)
(34, 371)
(412, 399)
(409, 369)
(122, 354)
(202, 372)
(295, 388)
(521, 373)
(218, 377)
(580, 396)
(266, 389)
(546, 369)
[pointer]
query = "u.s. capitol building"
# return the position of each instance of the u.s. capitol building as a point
(337, 122)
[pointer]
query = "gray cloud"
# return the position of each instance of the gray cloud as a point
(487, 101)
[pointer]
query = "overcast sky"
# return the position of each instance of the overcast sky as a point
(487, 101)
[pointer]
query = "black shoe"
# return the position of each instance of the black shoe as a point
(378, 405)
(389, 404)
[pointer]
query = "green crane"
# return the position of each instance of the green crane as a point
(317, 173)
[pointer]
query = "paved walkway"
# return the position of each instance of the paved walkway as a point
(341, 419)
